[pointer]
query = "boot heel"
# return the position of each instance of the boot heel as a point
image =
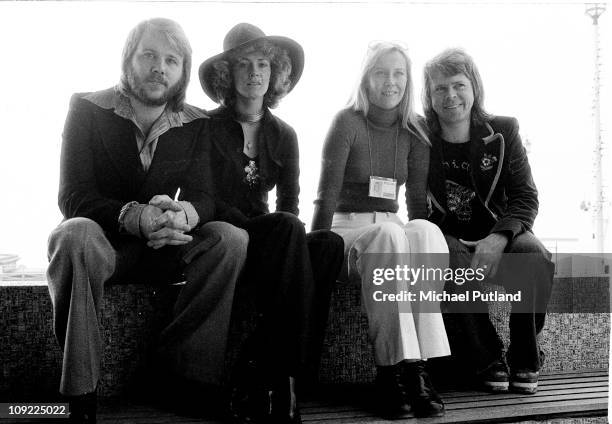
(425, 401)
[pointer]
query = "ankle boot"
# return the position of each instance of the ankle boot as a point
(83, 408)
(246, 392)
(391, 392)
(424, 399)
(282, 407)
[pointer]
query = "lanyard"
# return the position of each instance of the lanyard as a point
(370, 149)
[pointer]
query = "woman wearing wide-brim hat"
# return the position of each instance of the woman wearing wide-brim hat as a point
(253, 152)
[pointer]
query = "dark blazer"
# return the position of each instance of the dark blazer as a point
(100, 168)
(500, 174)
(278, 166)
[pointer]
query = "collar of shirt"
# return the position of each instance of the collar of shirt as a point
(119, 101)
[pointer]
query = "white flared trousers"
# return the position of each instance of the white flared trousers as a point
(396, 330)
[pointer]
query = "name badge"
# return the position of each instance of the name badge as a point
(382, 187)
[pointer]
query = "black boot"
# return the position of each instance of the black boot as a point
(424, 399)
(83, 408)
(257, 400)
(391, 392)
(247, 392)
(282, 407)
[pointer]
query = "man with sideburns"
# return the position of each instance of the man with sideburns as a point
(483, 197)
(133, 192)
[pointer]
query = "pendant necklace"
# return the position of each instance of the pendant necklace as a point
(249, 120)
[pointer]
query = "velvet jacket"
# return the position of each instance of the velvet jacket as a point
(278, 163)
(100, 169)
(500, 176)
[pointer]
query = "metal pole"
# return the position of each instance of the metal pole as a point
(594, 11)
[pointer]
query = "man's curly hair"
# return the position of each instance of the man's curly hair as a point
(222, 80)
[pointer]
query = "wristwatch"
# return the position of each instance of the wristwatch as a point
(123, 214)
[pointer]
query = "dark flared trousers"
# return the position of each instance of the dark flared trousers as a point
(471, 334)
(82, 259)
(290, 275)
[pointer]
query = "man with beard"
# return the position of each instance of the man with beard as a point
(127, 152)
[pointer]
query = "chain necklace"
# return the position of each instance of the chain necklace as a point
(248, 121)
(249, 118)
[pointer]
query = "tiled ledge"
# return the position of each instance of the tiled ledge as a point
(22, 283)
(30, 359)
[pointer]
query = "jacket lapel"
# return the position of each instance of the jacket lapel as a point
(272, 139)
(271, 145)
(437, 178)
(487, 160)
(226, 134)
(118, 138)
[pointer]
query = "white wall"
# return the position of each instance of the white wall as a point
(536, 61)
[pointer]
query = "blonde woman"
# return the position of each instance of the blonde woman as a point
(373, 147)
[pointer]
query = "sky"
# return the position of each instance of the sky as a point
(536, 61)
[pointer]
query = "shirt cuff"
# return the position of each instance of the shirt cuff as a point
(190, 213)
(131, 222)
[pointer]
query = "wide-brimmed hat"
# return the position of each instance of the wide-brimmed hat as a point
(241, 36)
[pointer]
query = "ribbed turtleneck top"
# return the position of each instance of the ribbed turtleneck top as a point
(345, 168)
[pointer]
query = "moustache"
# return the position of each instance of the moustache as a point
(158, 79)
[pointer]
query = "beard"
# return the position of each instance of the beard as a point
(137, 88)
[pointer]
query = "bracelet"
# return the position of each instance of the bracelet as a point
(123, 214)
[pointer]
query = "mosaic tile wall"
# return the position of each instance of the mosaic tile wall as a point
(571, 341)
(30, 359)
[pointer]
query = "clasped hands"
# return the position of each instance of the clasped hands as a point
(487, 252)
(164, 222)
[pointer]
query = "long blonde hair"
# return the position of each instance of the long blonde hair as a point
(359, 99)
